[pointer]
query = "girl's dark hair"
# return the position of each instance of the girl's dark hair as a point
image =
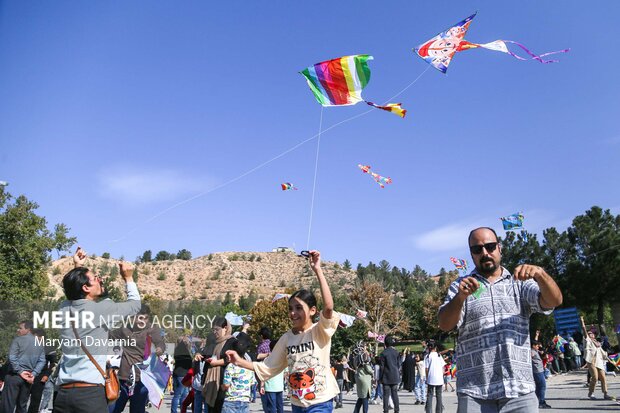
(73, 281)
(306, 296)
(219, 322)
(265, 333)
(240, 346)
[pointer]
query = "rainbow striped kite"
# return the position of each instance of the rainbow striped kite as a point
(339, 82)
(615, 359)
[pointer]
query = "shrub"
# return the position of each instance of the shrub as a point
(161, 276)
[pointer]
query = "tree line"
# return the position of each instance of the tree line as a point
(584, 259)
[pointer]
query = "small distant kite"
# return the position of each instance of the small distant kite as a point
(339, 82)
(439, 51)
(513, 222)
(279, 296)
(287, 186)
(459, 263)
(381, 180)
(361, 313)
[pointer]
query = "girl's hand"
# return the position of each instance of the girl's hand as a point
(233, 357)
(315, 260)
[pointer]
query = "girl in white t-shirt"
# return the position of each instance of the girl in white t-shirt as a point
(304, 349)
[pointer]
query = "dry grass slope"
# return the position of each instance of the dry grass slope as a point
(214, 275)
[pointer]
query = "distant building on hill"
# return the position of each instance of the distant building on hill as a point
(283, 249)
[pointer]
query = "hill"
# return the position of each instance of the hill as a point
(214, 275)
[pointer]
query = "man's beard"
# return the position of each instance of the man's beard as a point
(487, 270)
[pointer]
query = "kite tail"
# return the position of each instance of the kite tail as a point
(390, 107)
(534, 56)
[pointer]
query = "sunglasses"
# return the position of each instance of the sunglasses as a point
(477, 249)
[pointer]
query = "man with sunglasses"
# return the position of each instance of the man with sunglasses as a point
(491, 309)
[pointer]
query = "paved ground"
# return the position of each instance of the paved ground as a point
(564, 393)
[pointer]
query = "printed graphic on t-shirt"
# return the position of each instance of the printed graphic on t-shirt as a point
(307, 376)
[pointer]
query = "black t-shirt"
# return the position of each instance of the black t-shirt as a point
(182, 359)
(339, 371)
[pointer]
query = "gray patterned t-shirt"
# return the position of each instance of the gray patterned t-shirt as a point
(493, 350)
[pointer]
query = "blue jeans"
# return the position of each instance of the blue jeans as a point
(235, 407)
(541, 386)
(578, 361)
(200, 404)
(137, 401)
(48, 392)
(272, 402)
(325, 407)
(341, 388)
(420, 389)
(180, 393)
(361, 403)
(378, 392)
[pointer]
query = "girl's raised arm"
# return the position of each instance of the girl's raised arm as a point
(328, 302)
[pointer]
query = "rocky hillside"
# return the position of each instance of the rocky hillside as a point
(214, 275)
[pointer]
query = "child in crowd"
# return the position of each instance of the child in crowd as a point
(272, 390)
(304, 349)
(447, 374)
(237, 383)
(420, 379)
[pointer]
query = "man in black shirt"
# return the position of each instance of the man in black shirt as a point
(390, 374)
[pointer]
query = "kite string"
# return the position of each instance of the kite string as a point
(408, 86)
(254, 169)
(316, 168)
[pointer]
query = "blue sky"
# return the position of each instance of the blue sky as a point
(159, 125)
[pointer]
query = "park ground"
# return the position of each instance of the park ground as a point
(565, 392)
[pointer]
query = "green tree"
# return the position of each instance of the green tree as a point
(147, 256)
(62, 242)
(246, 303)
(347, 265)
(228, 300)
(105, 255)
(25, 247)
(592, 275)
(184, 255)
(162, 256)
(272, 315)
(517, 250)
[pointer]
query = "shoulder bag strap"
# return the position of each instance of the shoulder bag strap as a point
(88, 352)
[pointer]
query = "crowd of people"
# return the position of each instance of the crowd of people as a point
(498, 367)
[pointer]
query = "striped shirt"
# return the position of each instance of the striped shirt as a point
(493, 352)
